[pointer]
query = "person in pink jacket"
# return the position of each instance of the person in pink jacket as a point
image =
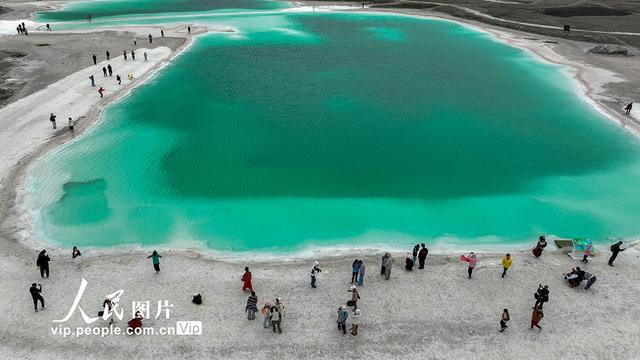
(472, 259)
(587, 253)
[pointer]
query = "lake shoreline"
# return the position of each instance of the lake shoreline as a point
(16, 220)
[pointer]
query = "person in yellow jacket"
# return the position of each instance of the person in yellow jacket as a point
(506, 262)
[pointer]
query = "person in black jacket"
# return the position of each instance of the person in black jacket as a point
(422, 256)
(615, 249)
(43, 263)
(542, 296)
(36, 291)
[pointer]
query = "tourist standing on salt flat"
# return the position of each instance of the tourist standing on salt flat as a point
(387, 270)
(355, 296)
(252, 306)
(75, 255)
(472, 259)
(361, 274)
(343, 315)
(36, 295)
(615, 250)
(314, 273)
(506, 263)
(275, 320)
(536, 316)
(155, 259)
(504, 319)
(542, 243)
(422, 255)
(266, 313)
(355, 269)
(43, 263)
(355, 322)
(541, 296)
(383, 267)
(52, 118)
(246, 280)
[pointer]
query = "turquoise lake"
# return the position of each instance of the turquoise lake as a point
(339, 129)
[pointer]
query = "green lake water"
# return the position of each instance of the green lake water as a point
(342, 130)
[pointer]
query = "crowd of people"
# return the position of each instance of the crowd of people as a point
(107, 71)
(273, 311)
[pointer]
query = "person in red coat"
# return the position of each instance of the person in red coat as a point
(246, 278)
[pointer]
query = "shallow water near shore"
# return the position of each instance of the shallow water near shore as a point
(342, 129)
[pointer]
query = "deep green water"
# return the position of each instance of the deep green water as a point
(101, 10)
(343, 129)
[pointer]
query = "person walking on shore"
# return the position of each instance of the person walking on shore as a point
(472, 259)
(246, 279)
(541, 296)
(591, 279)
(252, 306)
(542, 243)
(155, 260)
(75, 255)
(355, 269)
(124, 53)
(119, 79)
(93, 80)
(280, 306)
(145, 56)
(95, 59)
(71, 129)
(110, 69)
(36, 295)
(133, 54)
(506, 263)
(536, 316)
(150, 39)
(387, 270)
(108, 55)
(504, 320)
(104, 71)
(355, 296)
(383, 267)
(189, 29)
(361, 274)
(52, 118)
(355, 321)
(416, 250)
(135, 41)
(43, 263)
(343, 315)
(266, 314)
(48, 27)
(422, 255)
(275, 319)
(314, 273)
(161, 33)
(615, 250)
(627, 109)
(587, 253)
